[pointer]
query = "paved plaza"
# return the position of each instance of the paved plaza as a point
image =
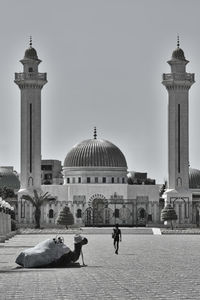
(147, 267)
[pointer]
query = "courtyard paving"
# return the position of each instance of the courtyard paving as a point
(147, 267)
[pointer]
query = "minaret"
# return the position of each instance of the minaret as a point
(30, 83)
(178, 83)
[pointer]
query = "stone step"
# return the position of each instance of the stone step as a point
(88, 230)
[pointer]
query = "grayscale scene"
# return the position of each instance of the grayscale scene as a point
(99, 149)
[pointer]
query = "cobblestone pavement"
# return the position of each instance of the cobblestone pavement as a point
(147, 267)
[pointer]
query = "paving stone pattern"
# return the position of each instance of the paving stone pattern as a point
(147, 267)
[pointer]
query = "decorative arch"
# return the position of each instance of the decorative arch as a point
(98, 213)
(97, 196)
(185, 201)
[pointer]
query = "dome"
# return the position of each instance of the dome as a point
(95, 153)
(8, 178)
(178, 54)
(194, 178)
(31, 53)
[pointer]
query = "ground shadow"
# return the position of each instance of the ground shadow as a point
(126, 254)
(46, 269)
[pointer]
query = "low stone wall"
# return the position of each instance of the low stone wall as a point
(181, 231)
(5, 226)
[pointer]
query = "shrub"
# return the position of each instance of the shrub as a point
(65, 217)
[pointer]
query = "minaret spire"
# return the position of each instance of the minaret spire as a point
(178, 42)
(95, 133)
(30, 42)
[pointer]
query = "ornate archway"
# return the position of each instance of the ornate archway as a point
(98, 213)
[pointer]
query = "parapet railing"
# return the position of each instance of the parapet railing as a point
(35, 76)
(179, 76)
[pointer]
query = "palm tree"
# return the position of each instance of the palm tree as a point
(37, 201)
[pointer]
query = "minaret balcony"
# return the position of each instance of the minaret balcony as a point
(30, 76)
(178, 77)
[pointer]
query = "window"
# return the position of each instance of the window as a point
(73, 180)
(68, 180)
(51, 213)
(79, 180)
(113, 180)
(88, 179)
(117, 179)
(79, 213)
(47, 176)
(46, 167)
(30, 69)
(104, 179)
(96, 179)
(123, 180)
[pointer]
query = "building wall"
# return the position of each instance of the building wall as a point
(51, 171)
(129, 200)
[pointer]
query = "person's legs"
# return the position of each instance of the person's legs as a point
(114, 243)
(117, 246)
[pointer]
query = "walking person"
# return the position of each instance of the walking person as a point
(117, 236)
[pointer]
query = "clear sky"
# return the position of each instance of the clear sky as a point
(104, 61)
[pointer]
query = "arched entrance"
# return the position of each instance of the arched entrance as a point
(141, 217)
(98, 213)
(98, 206)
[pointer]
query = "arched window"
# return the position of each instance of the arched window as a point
(142, 213)
(51, 213)
(30, 181)
(179, 181)
(79, 213)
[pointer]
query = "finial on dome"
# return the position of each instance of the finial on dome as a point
(95, 133)
(30, 42)
(178, 42)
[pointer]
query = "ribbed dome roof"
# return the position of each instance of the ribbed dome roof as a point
(8, 179)
(95, 153)
(178, 54)
(31, 53)
(194, 178)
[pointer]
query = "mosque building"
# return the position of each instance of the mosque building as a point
(94, 181)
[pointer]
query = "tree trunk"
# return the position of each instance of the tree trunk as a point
(37, 217)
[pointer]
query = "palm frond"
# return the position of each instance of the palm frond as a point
(30, 199)
(38, 199)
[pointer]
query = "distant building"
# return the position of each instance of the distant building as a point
(9, 178)
(139, 178)
(51, 171)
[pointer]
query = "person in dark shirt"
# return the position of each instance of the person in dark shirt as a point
(117, 236)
